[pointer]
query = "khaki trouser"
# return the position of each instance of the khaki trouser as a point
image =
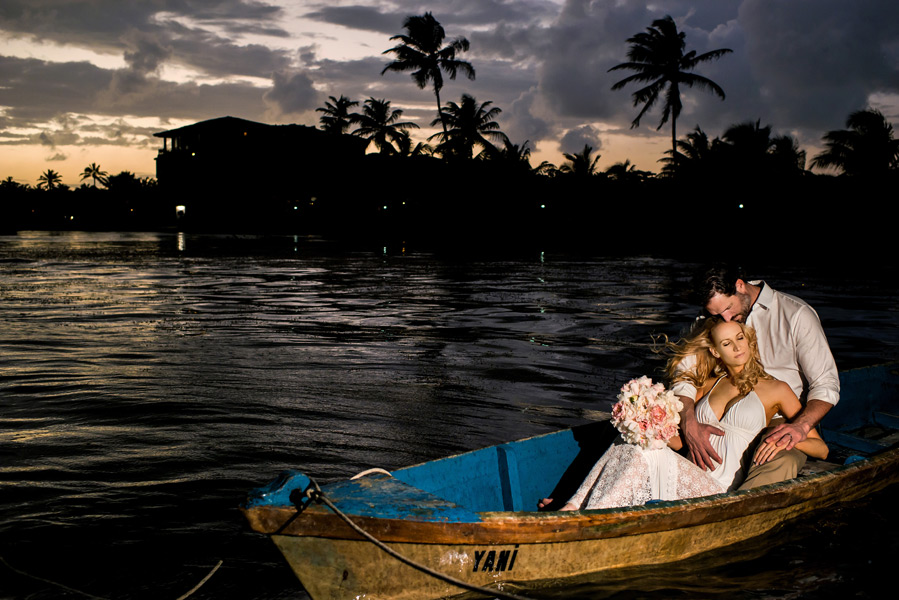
(785, 465)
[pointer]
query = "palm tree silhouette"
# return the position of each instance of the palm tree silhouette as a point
(49, 180)
(627, 172)
(547, 169)
(515, 154)
(469, 125)
(380, 125)
(405, 148)
(658, 57)
(92, 171)
(10, 184)
(785, 155)
(694, 152)
(335, 114)
(420, 51)
(750, 148)
(581, 164)
(865, 147)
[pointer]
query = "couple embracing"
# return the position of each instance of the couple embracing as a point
(757, 368)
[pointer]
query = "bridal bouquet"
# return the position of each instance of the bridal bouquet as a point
(646, 414)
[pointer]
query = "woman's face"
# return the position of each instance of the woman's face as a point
(730, 344)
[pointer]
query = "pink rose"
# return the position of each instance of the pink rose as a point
(657, 414)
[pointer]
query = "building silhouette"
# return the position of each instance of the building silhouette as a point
(231, 171)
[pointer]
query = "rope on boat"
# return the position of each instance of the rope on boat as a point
(314, 493)
(86, 595)
(370, 471)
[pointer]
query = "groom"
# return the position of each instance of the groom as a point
(793, 349)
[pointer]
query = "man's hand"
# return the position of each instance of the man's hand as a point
(696, 436)
(787, 435)
(765, 452)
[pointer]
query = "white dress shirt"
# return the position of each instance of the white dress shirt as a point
(792, 346)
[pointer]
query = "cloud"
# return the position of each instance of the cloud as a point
(453, 15)
(146, 52)
(575, 139)
(817, 61)
(292, 93)
(36, 90)
(58, 157)
(198, 34)
(366, 18)
(522, 121)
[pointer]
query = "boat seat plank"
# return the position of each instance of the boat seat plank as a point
(886, 420)
(853, 442)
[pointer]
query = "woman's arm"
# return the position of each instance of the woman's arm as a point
(813, 445)
(778, 397)
(677, 442)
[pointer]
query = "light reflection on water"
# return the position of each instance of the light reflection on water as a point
(150, 380)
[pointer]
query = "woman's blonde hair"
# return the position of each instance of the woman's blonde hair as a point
(699, 343)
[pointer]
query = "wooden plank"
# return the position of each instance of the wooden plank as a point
(886, 420)
(853, 442)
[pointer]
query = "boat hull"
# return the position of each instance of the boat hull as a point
(466, 516)
(529, 551)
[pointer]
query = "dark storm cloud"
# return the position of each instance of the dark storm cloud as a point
(575, 139)
(455, 15)
(36, 91)
(520, 122)
(818, 60)
(115, 26)
(366, 18)
(800, 65)
(146, 52)
(221, 59)
(93, 22)
(292, 93)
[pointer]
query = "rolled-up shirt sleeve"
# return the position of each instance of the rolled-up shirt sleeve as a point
(685, 387)
(815, 358)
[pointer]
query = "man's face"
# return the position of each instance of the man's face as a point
(731, 308)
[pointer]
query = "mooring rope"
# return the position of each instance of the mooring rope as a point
(86, 595)
(314, 493)
(370, 471)
(202, 581)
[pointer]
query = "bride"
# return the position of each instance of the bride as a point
(736, 395)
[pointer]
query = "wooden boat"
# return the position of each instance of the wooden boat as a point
(473, 516)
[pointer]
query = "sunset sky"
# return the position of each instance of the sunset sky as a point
(86, 81)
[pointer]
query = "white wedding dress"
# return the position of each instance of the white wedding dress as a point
(628, 475)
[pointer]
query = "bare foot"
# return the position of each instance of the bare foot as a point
(544, 502)
(569, 506)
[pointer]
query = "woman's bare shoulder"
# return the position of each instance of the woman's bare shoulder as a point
(773, 388)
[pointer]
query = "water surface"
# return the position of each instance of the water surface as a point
(149, 380)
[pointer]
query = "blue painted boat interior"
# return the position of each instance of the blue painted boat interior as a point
(509, 477)
(868, 396)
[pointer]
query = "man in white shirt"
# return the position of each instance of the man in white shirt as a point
(793, 349)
